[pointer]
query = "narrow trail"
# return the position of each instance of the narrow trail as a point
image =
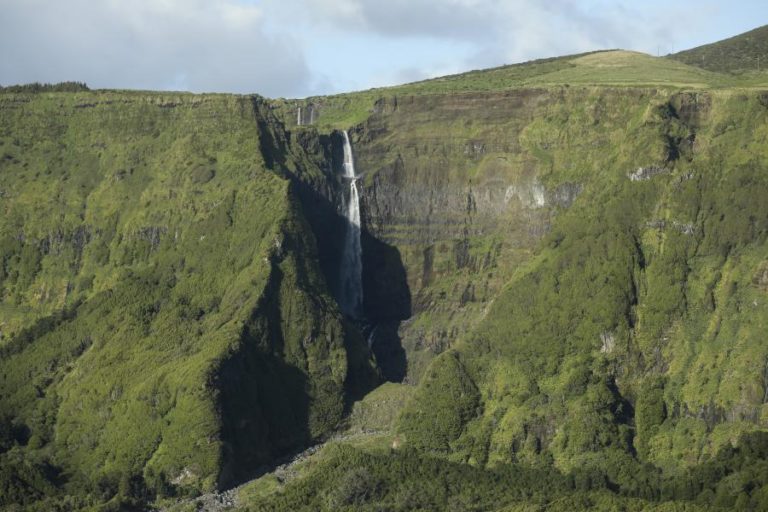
(284, 470)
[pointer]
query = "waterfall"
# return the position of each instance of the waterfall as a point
(298, 117)
(351, 293)
(372, 336)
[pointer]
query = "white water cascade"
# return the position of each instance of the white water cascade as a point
(351, 293)
(372, 336)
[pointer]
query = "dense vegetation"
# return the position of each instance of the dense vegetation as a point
(165, 326)
(37, 87)
(647, 322)
(354, 479)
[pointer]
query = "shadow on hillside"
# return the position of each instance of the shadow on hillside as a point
(264, 404)
(386, 295)
(387, 302)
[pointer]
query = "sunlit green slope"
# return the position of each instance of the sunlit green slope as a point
(603, 68)
(165, 325)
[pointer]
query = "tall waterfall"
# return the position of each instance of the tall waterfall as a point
(351, 296)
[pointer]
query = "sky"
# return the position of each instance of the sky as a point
(299, 48)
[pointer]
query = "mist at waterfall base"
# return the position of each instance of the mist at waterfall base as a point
(351, 289)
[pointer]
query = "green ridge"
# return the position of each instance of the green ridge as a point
(741, 54)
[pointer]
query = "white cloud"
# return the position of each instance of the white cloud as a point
(505, 31)
(199, 44)
(453, 19)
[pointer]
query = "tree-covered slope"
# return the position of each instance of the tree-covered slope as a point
(353, 478)
(165, 324)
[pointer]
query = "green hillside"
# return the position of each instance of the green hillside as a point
(747, 52)
(626, 319)
(612, 68)
(149, 259)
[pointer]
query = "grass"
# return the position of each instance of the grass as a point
(630, 68)
(379, 409)
(608, 68)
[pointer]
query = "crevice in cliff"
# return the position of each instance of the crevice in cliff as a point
(317, 179)
(315, 169)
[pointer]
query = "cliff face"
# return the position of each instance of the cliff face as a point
(458, 189)
(571, 245)
(577, 252)
(165, 322)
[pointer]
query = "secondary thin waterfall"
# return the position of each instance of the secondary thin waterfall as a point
(351, 297)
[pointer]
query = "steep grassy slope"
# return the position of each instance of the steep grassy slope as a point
(165, 325)
(742, 53)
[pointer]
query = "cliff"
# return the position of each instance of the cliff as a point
(566, 248)
(632, 321)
